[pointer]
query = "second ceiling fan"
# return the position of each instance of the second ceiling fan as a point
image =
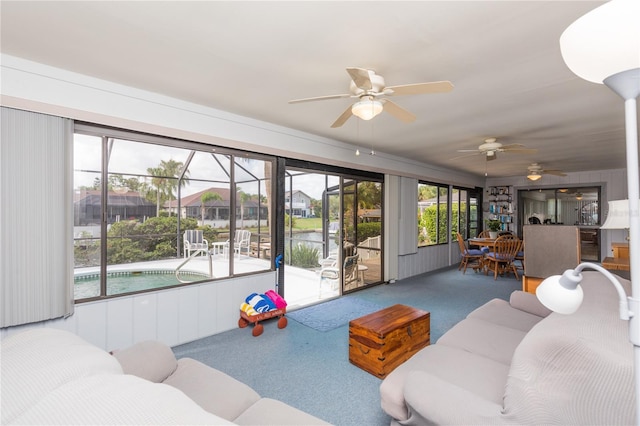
(491, 147)
(370, 90)
(536, 171)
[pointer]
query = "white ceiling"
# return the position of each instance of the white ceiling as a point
(251, 58)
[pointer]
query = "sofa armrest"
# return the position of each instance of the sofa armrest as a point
(528, 302)
(432, 400)
(151, 360)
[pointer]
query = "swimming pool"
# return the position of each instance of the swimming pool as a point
(88, 285)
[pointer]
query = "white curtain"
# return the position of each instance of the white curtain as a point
(36, 217)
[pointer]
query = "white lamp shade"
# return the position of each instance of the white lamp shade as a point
(367, 109)
(618, 216)
(561, 293)
(604, 42)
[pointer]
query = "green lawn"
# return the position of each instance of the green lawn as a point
(308, 223)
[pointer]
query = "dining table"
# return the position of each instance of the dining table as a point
(483, 242)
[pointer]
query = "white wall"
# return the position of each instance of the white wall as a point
(173, 316)
(114, 323)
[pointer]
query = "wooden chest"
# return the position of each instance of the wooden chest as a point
(381, 341)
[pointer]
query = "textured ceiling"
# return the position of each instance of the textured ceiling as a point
(251, 58)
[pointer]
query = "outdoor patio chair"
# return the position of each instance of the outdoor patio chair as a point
(332, 273)
(193, 240)
(241, 242)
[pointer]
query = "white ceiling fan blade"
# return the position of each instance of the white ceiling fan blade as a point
(398, 112)
(320, 98)
(360, 77)
(469, 150)
(554, 172)
(343, 118)
(422, 88)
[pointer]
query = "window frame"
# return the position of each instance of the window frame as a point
(235, 160)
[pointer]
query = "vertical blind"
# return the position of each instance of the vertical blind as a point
(36, 218)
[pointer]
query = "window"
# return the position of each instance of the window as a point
(433, 209)
(151, 212)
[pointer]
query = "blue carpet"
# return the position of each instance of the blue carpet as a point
(333, 314)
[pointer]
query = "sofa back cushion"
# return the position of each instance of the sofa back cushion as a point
(151, 360)
(575, 369)
(38, 361)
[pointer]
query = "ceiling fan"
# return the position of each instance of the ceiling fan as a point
(536, 171)
(491, 147)
(370, 90)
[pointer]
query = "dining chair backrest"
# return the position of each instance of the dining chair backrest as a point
(461, 244)
(506, 247)
(484, 234)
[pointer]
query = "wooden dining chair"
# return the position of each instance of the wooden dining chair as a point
(501, 259)
(469, 257)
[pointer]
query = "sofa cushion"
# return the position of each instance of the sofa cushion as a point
(578, 368)
(501, 312)
(269, 412)
(212, 389)
(528, 302)
(38, 361)
(151, 360)
(474, 373)
(116, 399)
(484, 338)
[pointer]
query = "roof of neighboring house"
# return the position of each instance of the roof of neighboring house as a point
(297, 191)
(195, 200)
(93, 197)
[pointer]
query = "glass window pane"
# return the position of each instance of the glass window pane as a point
(87, 197)
(167, 213)
(252, 239)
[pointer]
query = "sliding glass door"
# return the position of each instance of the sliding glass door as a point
(333, 234)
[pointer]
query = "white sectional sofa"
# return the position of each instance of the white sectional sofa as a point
(50, 376)
(517, 363)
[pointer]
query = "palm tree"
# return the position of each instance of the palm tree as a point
(205, 198)
(173, 170)
(164, 178)
(158, 182)
(244, 197)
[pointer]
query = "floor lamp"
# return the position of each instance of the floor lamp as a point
(603, 47)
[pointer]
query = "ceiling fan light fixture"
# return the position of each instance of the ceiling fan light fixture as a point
(367, 109)
(534, 176)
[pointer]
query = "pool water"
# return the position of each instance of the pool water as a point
(86, 286)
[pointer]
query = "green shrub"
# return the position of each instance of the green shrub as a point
(368, 229)
(302, 255)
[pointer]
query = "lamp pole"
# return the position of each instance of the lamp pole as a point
(627, 85)
(603, 47)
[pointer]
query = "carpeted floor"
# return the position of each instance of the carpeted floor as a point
(334, 313)
(310, 369)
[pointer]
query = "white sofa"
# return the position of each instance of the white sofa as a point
(51, 376)
(517, 363)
